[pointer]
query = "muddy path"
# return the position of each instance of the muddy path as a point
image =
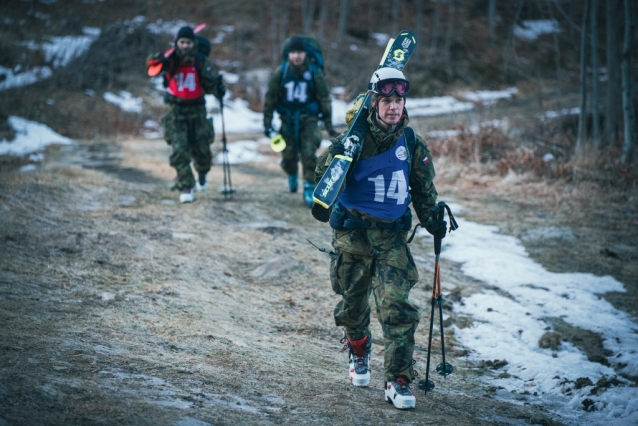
(120, 306)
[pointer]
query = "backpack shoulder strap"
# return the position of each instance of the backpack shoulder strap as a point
(410, 142)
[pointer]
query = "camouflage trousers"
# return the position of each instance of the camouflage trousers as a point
(190, 137)
(309, 141)
(389, 275)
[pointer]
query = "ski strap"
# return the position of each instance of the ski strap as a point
(322, 249)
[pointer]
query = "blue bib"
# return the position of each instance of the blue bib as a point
(379, 186)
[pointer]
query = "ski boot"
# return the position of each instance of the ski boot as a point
(293, 182)
(187, 195)
(202, 182)
(359, 361)
(398, 393)
(308, 189)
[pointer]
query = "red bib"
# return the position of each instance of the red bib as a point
(185, 83)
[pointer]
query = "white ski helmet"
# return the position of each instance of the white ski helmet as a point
(385, 81)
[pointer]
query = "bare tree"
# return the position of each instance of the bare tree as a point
(509, 42)
(613, 81)
(274, 36)
(343, 18)
(307, 15)
(418, 18)
(323, 17)
(557, 62)
(491, 16)
(595, 95)
(435, 29)
(394, 29)
(629, 118)
(451, 10)
(582, 119)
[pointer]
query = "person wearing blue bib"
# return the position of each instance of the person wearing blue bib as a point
(370, 222)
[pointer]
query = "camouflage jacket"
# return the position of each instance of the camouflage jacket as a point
(276, 92)
(422, 190)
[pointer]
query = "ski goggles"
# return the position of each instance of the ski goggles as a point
(387, 87)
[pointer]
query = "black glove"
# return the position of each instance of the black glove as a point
(268, 131)
(222, 91)
(332, 132)
(337, 149)
(438, 229)
(321, 214)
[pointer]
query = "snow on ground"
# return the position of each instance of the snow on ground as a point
(489, 97)
(510, 328)
(125, 101)
(30, 138)
(59, 51)
(241, 152)
(14, 78)
(425, 107)
(531, 29)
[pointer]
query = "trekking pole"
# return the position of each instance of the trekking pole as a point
(228, 190)
(444, 369)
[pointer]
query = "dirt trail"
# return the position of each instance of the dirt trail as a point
(120, 306)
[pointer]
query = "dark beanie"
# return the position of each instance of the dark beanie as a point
(185, 32)
(296, 44)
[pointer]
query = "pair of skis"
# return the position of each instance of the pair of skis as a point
(397, 53)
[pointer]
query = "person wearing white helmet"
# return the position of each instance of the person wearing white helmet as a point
(370, 220)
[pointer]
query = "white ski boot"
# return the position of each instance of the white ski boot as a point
(398, 393)
(202, 182)
(359, 362)
(187, 195)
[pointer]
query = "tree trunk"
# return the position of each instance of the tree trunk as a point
(307, 15)
(557, 60)
(613, 76)
(394, 29)
(627, 99)
(273, 33)
(418, 19)
(595, 96)
(435, 30)
(343, 17)
(491, 16)
(323, 17)
(582, 120)
(448, 33)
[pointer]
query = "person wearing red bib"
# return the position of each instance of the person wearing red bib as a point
(188, 76)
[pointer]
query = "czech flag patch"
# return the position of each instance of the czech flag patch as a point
(426, 160)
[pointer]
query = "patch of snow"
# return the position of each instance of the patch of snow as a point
(167, 27)
(28, 168)
(241, 152)
(230, 78)
(510, 327)
(30, 137)
(531, 29)
(338, 90)
(125, 101)
(425, 107)
(565, 111)
(13, 78)
(381, 38)
(489, 97)
(61, 50)
(238, 118)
